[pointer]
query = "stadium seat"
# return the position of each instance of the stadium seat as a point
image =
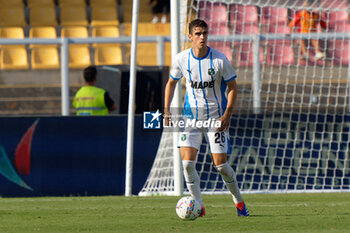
(244, 54)
(167, 54)
(12, 17)
(340, 27)
(41, 3)
(222, 46)
(213, 12)
(12, 32)
(333, 4)
(338, 52)
(333, 18)
(104, 16)
(216, 16)
(244, 50)
(13, 58)
(79, 54)
(105, 31)
(218, 29)
(338, 49)
(110, 53)
(274, 15)
(73, 16)
(278, 29)
(74, 32)
(280, 54)
(148, 29)
(42, 32)
(147, 52)
(340, 14)
(42, 16)
(44, 56)
(144, 55)
(246, 29)
(74, 3)
(243, 14)
(103, 3)
(12, 3)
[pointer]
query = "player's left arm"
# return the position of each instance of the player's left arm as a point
(231, 99)
(109, 102)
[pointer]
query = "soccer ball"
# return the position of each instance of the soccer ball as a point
(188, 208)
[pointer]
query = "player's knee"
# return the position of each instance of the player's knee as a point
(189, 166)
(222, 168)
(190, 171)
(227, 172)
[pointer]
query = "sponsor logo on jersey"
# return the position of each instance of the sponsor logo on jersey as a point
(202, 85)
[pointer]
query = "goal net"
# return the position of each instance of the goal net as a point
(291, 126)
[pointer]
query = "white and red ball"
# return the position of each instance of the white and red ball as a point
(188, 208)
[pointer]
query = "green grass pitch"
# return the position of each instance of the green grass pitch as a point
(321, 212)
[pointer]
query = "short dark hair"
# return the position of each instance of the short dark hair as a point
(90, 73)
(196, 23)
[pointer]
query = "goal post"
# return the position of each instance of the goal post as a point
(176, 103)
(291, 125)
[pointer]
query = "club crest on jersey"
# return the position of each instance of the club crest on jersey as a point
(183, 137)
(211, 71)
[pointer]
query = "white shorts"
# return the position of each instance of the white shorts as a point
(217, 140)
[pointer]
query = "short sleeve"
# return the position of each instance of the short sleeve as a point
(228, 72)
(108, 100)
(175, 71)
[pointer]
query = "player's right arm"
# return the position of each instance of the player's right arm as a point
(168, 96)
(175, 75)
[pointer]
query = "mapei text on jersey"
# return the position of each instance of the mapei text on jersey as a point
(202, 85)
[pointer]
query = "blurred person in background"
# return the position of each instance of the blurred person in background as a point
(91, 100)
(160, 7)
(306, 21)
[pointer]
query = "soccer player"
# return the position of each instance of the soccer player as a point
(207, 73)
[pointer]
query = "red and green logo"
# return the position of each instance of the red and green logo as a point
(21, 161)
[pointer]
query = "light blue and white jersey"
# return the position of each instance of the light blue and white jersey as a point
(206, 79)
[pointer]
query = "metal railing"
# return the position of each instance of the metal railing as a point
(64, 46)
(160, 40)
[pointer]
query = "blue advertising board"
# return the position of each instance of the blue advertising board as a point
(61, 156)
(289, 151)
